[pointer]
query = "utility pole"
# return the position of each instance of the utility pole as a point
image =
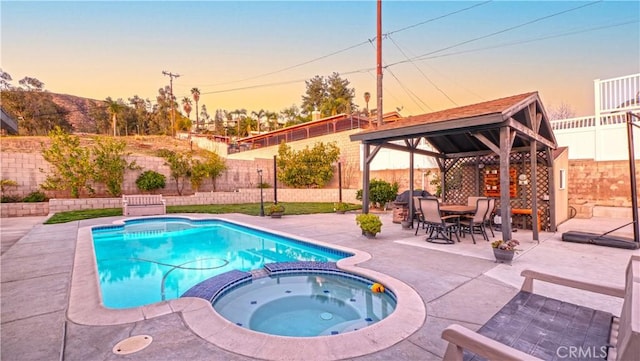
(379, 62)
(173, 112)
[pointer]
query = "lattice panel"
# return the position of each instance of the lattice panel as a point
(466, 177)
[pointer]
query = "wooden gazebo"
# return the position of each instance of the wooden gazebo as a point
(485, 139)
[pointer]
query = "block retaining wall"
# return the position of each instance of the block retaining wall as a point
(202, 198)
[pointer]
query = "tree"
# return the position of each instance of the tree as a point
(212, 167)
(330, 96)
(5, 79)
(380, 192)
(195, 93)
(308, 168)
(238, 116)
(31, 84)
(114, 109)
(562, 111)
(291, 115)
(258, 116)
(215, 166)
(315, 94)
(109, 157)
(179, 166)
(71, 164)
(150, 180)
(272, 120)
(186, 105)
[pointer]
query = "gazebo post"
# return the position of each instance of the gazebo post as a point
(505, 197)
(533, 154)
(365, 178)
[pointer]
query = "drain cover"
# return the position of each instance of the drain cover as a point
(132, 344)
(326, 316)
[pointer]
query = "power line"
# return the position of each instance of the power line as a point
(350, 47)
(498, 32)
(421, 72)
(552, 36)
(437, 18)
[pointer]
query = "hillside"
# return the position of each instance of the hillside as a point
(136, 145)
(79, 111)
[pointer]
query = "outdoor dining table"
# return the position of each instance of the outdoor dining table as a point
(457, 209)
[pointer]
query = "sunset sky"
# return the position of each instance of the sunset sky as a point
(257, 55)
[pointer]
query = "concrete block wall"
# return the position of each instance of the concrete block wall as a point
(242, 196)
(605, 183)
(24, 209)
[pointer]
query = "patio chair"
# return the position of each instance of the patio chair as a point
(490, 214)
(475, 224)
(436, 223)
(417, 213)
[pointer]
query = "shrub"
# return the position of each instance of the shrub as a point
(150, 180)
(36, 196)
(369, 223)
(9, 199)
(380, 192)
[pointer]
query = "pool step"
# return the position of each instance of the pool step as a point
(259, 273)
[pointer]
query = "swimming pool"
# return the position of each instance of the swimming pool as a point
(86, 306)
(150, 260)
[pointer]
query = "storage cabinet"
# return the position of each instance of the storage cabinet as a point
(492, 183)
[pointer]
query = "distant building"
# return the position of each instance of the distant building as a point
(8, 125)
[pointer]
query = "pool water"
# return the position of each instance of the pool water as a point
(152, 260)
(305, 305)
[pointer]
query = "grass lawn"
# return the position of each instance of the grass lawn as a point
(252, 209)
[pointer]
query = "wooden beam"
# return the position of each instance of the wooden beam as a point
(373, 153)
(407, 149)
(487, 142)
(521, 128)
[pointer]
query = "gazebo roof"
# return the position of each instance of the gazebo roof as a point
(472, 129)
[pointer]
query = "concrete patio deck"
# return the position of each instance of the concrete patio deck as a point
(458, 284)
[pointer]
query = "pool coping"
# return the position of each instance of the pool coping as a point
(85, 308)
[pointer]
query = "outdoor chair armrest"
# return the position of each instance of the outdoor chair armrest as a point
(530, 275)
(461, 338)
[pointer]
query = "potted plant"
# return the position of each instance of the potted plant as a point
(275, 210)
(340, 207)
(369, 223)
(504, 250)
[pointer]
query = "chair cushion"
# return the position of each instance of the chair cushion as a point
(546, 328)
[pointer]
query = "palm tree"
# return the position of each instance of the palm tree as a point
(195, 92)
(114, 109)
(239, 113)
(259, 115)
(186, 105)
(272, 117)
